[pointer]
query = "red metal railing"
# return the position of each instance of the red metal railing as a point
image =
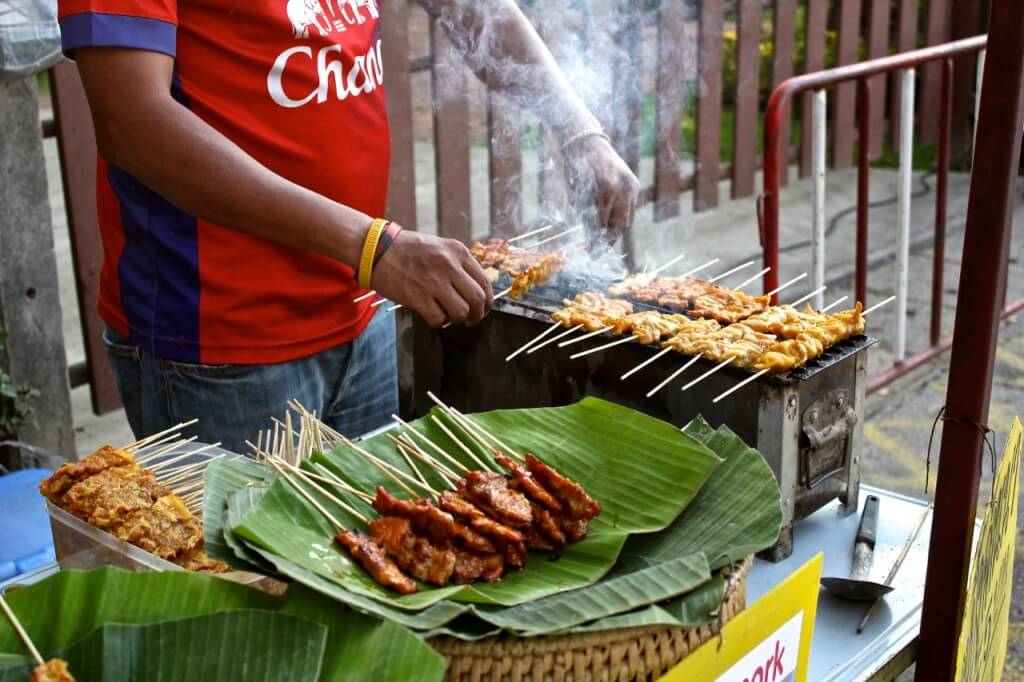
(775, 118)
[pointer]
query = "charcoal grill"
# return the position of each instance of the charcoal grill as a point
(808, 423)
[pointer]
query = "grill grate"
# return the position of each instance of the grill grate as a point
(540, 301)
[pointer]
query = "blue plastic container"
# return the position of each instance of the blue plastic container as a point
(26, 542)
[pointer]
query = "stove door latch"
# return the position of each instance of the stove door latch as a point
(825, 426)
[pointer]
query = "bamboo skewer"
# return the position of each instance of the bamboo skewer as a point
(488, 440)
(494, 439)
(667, 264)
(166, 450)
(181, 491)
(163, 449)
(745, 282)
(387, 468)
(513, 240)
(16, 624)
(412, 465)
(554, 338)
(379, 302)
(405, 448)
(752, 377)
(462, 421)
(617, 342)
(308, 479)
(896, 564)
(421, 454)
(809, 295)
(878, 305)
(554, 237)
(546, 332)
(365, 296)
(309, 498)
(832, 305)
(785, 286)
(700, 267)
(732, 271)
(586, 336)
(465, 448)
(673, 375)
(708, 373)
(437, 448)
(660, 353)
(185, 472)
(330, 478)
(144, 442)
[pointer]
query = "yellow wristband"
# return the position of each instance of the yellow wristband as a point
(377, 227)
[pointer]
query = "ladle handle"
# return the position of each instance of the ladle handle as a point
(864, 544)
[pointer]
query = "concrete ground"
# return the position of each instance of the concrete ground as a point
(899, 417)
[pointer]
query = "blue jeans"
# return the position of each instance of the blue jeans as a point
(353, 388)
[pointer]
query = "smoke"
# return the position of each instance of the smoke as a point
(607, 51)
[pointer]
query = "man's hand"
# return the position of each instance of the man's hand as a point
(602, 188)
(438, 278)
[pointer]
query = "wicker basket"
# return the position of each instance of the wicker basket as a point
(643, 653)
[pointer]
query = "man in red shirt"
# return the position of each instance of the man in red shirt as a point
(244, 155)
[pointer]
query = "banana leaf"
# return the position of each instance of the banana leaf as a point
(258, 646)
(65, 607)
(737, 513)
(690, 610)
(642, 470)
(723, 519)
(224, 476)
(239, 502)
(607, 598)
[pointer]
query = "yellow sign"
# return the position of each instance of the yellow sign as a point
(987, 612)
(768, 642)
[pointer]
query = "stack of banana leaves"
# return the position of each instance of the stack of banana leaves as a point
(678, 507)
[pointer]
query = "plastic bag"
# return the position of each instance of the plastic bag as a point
(29, 38)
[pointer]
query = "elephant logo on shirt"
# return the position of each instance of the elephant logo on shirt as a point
(305, 13)
(328, 16)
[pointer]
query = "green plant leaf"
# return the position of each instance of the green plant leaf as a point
(261, 646)
(434, 616)
(239, 502)
(737, 513)
(642, 470)
(65, 607)
(222, 477)
(607, 598)
(687, 611)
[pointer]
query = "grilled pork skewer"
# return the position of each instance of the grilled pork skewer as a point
(363, 549)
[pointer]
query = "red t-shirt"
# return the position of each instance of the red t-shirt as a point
(297, 84)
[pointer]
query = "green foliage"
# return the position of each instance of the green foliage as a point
(14, 401)
(767, 53)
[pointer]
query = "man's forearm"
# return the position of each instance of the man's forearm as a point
(182, 158)
(505, 52)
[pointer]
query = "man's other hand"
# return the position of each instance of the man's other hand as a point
(603, 189)
(437, 278)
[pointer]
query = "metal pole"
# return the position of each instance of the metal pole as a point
(818, 130)
(982, 279)
(863, 170)
(942, 176)
(905, 177)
